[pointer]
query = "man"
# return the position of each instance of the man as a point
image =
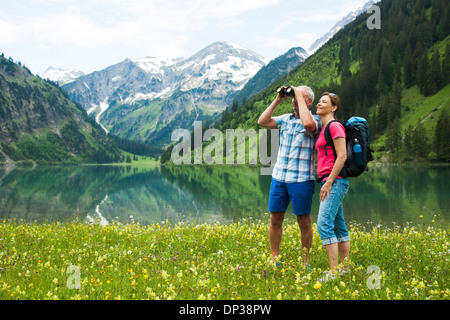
(293, 173)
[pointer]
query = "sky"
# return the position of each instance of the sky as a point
(90, 35)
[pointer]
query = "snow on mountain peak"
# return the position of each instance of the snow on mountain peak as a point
(155, 64)
(209, 77)
(338, 26)
(221, 61)
(61, 76)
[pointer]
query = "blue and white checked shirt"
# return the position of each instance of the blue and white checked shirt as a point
(295, 160)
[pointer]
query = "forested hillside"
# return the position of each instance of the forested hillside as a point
(397, 77)
(39, 123)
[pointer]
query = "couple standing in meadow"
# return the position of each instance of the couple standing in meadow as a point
(293, 178)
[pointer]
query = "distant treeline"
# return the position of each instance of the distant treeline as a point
(135, 147)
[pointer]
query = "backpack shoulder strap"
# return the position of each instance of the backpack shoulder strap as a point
(328, 138)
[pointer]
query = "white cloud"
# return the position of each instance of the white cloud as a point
(129, 22)
(8, 33)
(99, 32)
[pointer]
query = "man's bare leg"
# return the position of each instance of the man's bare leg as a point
(304, 222)
(276, 233)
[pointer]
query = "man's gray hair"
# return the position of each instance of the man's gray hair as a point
(309, 92)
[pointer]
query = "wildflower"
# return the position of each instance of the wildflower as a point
(421, 285)
(318, 285)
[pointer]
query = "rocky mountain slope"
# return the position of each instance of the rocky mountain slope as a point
(138, 98)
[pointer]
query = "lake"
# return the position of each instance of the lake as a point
(159, 194)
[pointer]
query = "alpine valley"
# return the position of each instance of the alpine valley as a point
(146, 99)
(141, 102)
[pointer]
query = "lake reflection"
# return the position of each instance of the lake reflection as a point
(208, 194)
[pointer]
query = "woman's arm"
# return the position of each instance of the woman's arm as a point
(341, 157)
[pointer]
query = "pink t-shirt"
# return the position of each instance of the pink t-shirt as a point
(325, 163)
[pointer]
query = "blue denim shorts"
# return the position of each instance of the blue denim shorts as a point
(299, 193)
(330, 222)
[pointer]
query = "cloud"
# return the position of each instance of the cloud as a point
(149, 24)
(8, 33)
(49, 31)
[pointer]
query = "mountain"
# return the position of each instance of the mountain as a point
(39, 123)
(396, 77)
(274, 70)
(338, 26)
(61, 76)
(139, 99)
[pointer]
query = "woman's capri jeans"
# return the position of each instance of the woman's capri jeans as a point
(330, 222)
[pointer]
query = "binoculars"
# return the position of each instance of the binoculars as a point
(286, 91)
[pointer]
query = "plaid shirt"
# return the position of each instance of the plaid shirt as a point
(295, 160)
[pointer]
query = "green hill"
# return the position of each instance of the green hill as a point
(39, 123)
(397, 77)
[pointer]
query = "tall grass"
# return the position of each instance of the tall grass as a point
(214, 261)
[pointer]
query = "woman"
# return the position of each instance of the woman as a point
(330, 222)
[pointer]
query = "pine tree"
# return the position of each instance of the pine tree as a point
(393, 137)
(419, 142)
(383, 113)
(446, 66)
(441, 141)
(407, 140)
(386, 71)
(421, 73)
(234, 106)
(396, 100)
(408, 69)
(434, 78)
(373, 124)
(444, 23)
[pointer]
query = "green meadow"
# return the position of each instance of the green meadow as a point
(66, 261)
